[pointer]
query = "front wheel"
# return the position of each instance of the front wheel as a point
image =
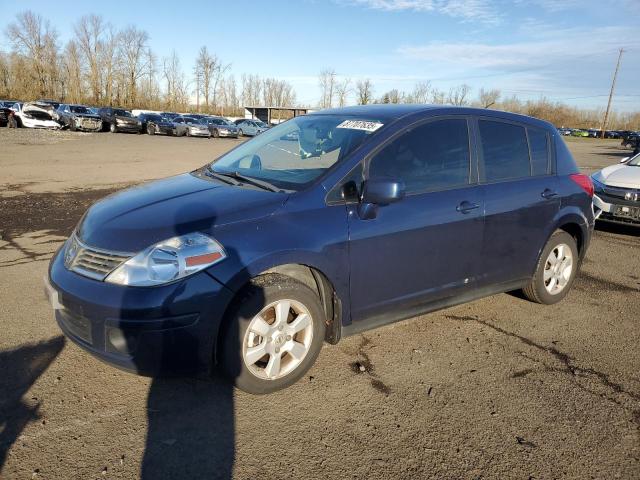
(12, 123)
(272, 334)
(113, 128)
(151, 129)
(240, 133)
(556, 270)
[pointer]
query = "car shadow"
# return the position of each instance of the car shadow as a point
(191, 421)
(618, 228)
(19, 370)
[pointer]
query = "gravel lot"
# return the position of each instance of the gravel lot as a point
(499, 388)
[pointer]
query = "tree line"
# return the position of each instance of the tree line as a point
(103, 65)
(337, 91)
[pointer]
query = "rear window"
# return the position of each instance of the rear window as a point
(539, 146)
(505, 151)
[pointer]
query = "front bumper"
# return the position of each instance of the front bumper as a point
(128, 127)
(152, 331)
(609, 211)
(227, 133)
(199, 133)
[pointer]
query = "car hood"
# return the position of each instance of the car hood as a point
(43, 111)
(127, 119)
(133, 219)
(622, 175)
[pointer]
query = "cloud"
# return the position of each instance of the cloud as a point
(483, 11)
(546, 50)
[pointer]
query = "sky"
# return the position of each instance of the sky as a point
(565, 50)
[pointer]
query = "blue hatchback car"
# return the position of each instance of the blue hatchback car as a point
(326, 225)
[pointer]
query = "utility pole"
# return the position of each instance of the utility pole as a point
(613, 86)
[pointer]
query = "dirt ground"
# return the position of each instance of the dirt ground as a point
(498, 388)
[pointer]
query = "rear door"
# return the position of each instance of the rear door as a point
(424, 247)
(521, 198)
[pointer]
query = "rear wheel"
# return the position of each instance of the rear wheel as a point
(240, 133)
(113, 128)
(72, 125)
(12, 123)
(272, 334)
(151, 129)
(556, 270)
(215, 133)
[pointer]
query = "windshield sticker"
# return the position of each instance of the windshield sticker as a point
(360, 125)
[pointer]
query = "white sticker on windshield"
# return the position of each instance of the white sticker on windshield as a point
(360, 125)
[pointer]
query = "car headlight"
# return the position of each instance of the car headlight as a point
(169, 260)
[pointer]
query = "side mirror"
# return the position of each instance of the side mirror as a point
(382, 191)
(624, 160)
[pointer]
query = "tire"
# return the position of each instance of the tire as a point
(150, 129)
(539, 290)
(113, 128)
(260, 297)
(12, 123)
(72, 125)
(215, 133)
(240, 133)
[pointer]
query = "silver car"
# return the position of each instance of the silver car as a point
(191, 127)
(220, 127)
(250, 127)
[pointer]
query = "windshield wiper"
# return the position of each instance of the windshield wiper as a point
(254, 181)
(222, 177)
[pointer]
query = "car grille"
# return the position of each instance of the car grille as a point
(89, 123)
(628, 194)
(92, 262)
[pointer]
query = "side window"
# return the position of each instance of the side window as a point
(505, 151)
(539, 146)
(432, 156)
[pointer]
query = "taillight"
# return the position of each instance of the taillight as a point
(584, 182)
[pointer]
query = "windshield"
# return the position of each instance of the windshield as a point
(122, 113)
(79, 109)
(296, 152)
(261, 124)
(635, 161)
(155, 118)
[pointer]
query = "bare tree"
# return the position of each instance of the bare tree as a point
(420, 93)
(392, 96)
(327, 82)
(343, 90)
(209, 71)
(89, 31)
(458, 95)
(488, 98)
(364, 91)
(35, 39)
(176, 92)
(133, 46)
(251, 89)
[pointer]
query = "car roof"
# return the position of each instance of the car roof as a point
(389, 112)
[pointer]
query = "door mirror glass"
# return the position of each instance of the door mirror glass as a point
(382, 191)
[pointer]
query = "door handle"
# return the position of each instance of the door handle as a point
(548, 193)
(466, 207)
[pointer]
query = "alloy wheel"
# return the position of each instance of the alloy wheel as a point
(278, 339)
(558, 269)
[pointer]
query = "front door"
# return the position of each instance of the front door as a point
(424, 247)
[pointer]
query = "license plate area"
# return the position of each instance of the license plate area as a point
(624, 211)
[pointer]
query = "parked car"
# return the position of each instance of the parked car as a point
(33, 115)
(579, 133)
(5, 113)
(250, 128)
(611, 134)
(79, 117)
(169, 115)
(220, 127)
(617, 192)
(631, 140)
(191, 127)
(564, 131)
(154, 124)
(119, 120)
(253, 261)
